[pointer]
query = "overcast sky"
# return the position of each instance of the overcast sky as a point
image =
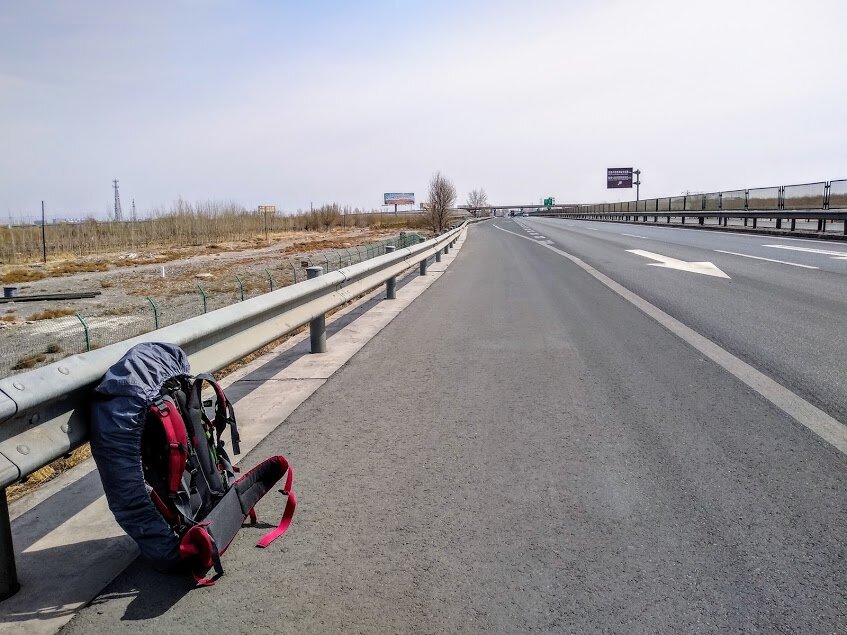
(290, 102)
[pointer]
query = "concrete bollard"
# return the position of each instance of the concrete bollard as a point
(391, 283)
(317, 327)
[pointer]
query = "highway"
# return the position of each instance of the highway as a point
(560, 436)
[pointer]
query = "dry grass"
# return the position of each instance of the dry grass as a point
(49, 314)
(69, 267)
(48, 472)
(7, 318)
(30, 361)
(22, 275)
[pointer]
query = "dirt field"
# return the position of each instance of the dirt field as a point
(36, 333)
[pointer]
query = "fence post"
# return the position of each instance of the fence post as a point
(391, 283)
(155, 312)
(240, 286)
(293, 270)
(317, 327)
(270, 279)
(205, 303)
(327, 262)
(8, 571)
(85, 329)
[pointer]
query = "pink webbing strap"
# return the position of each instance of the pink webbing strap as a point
(168, 416)
(284, 523)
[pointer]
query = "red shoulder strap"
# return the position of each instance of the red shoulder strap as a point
(171, 421)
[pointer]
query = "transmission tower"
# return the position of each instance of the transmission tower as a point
(118, 213)
(133, 210)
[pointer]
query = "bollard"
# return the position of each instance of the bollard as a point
(423, 267)
(391, 283)
(8, 572)
(317, 327)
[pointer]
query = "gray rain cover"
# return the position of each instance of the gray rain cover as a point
(118, 415)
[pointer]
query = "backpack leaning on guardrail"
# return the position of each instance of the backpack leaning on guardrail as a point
(164, 466)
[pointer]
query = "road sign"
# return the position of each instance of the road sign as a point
(548, 202)
(618, 178)
(267, 209)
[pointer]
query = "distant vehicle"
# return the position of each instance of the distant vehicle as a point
(525, 215)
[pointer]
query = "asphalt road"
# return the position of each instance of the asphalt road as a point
(788, 321)
(524, 450)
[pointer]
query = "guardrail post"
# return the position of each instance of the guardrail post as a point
(793, 223)
(317, 327)
(423, 267)
(446, 249)
(8, 571)
(85, 329)
(391, 283)
(438, 256)
(155, 312)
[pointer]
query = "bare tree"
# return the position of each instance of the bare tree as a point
(442, 197)
(477, 199)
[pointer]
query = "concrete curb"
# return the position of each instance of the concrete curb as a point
(67, 543)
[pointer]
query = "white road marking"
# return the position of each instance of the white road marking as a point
(540, 236)
(836, 255)
(705, 268)
(594, 229)
(633, 236)
(782, 262)
(826, 427)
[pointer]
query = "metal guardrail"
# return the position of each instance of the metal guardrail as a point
(822, 195)
(43, 413)
(722, 217)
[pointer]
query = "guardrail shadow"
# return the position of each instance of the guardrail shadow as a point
(252, 381)
(60, 600)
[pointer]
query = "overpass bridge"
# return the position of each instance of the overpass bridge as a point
(578, 426)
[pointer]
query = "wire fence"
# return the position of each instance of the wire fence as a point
(31, 344)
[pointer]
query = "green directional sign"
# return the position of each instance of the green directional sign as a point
(548, 202)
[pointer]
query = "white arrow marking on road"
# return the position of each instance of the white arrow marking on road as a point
(706, 268)
(835, 255)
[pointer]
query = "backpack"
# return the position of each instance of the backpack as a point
(161, 454)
